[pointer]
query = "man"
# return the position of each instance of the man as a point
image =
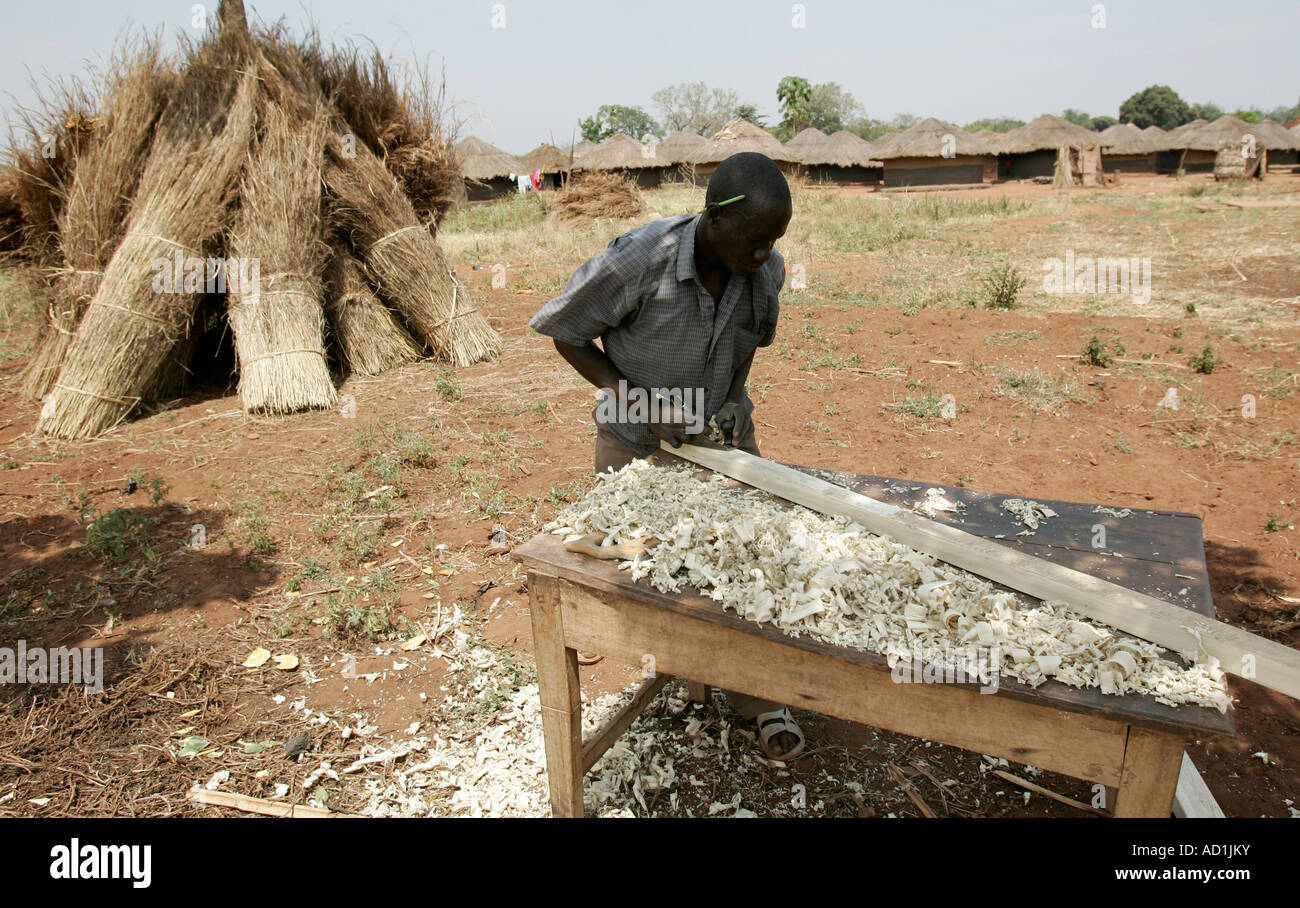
(680, 305)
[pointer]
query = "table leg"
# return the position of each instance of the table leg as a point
(561, 697)
(699, 693)
(1149, 779)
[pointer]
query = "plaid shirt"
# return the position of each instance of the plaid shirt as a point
(658, 324)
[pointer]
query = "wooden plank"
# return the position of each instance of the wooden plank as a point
(1192, 797)
(697, 692)
(618, 723)
(1263, 661)
(1077, 744)
(546, 553)
(1150, 777)
(1152, 551)
(560, 693)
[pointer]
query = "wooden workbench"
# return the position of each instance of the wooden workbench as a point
(1131, 744)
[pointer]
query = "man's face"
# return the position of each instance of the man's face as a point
(744, 239)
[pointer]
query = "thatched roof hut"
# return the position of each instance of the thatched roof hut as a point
(737, 136)
(806, 137)
(581, 150)
(839, 158)
(618, 152)
(1128, 149)
(676, 148)
(1177, 136)
(928, 139)
(486, 168)
(1031, 150)
(546, 158)
(1157, 139)
(1047, 133)
(483, 161)
(625, 154)
(991, 138)
(1275, 136)
(1124, 139)
(934, 153)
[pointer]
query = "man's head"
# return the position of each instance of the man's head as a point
(742, 233)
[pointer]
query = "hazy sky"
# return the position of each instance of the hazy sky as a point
(555, 61)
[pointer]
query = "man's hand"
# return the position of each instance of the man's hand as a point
(671, 424)
(734, 421)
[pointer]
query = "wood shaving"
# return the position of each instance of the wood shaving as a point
(1029, 513)
(830, 578)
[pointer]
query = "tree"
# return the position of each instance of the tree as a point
(795, 95)
(1102, 123)
(1250, 115)
(695, 106)
(1208, 111)
(615, 118)
(997, 124)
(1077, 117)
(831, 107)
(1156, 105)
(1284, 114)
(867, 128)
(748, 112)
(904, 121)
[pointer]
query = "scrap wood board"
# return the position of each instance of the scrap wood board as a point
(1183, 630)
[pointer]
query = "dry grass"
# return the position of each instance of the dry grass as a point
(600, 194)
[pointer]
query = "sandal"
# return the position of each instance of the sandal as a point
(771, 724)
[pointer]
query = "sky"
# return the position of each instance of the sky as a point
(525, 71)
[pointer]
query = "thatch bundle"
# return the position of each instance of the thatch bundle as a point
(93, 215)
(599, 194)
(201, 194)
(279, 322)
(368, 204)
(369, 337)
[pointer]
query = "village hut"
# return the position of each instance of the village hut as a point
(674, 149)
(1032, 150)
(1127, 150)
(1281, 144)
(737, 136)
(488, 171)
(838, 158)
(934, 153)
(551, 161)
(626, 157)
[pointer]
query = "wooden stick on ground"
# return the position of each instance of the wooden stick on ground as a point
(1182, 630)
(250, 804)
(910, 790)
(1048, 793)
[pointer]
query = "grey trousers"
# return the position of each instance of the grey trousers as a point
(612, 454)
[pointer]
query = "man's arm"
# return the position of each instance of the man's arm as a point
(595, 366)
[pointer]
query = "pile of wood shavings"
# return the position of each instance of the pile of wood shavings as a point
(830, 578)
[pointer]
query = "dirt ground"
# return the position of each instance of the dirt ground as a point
(336, 536)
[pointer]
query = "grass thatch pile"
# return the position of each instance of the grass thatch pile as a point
(240, 157)
(599, 194)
